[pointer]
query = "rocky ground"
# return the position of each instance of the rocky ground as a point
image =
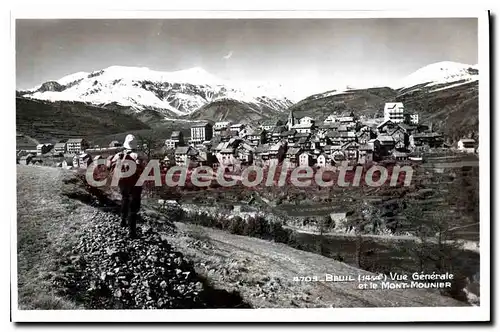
(108, 270)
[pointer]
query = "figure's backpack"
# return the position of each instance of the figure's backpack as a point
(132, 156)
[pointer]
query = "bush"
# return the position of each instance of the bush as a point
(278, 233)
(255, 227)
(224, 223)
(174, 213)
(236, 226)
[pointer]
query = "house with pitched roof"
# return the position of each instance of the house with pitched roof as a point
(400, 137)
(220, 126)
(330, 119)
(365, 154)
(289, 136)
(262, 154)
(269, 125)
(84, 160)
(245, 153)
(225, 152)
(292, 156)
(322, 160)
(386, 127)
(305, 159)
(60, 148)
(350, 150)
(182, 155)
(426, 140)
(275, 135)
(363, 136)
(304, 127)
(238, 128)
(43, 148)
(256, 136)
(307, 120)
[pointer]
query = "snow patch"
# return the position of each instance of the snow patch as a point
(455, 85)
(439, 73)
(72, 77)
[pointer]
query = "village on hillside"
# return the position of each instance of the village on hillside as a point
(299, 142)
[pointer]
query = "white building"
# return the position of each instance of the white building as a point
(414, 118)
(345, 119)
(303, 128)
(76, 145)
(394, 112)
(330, 119)
(60, 148)
(169, 144)
(321, 160)
(467, 145)
(238, 128)
(305, 159)
(220, 126)
(201, 133)
(84, 160)
(306, 120)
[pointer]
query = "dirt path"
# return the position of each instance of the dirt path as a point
(266, 273)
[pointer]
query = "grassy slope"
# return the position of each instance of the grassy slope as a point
(47, 227)
(46, 121)
(455, 111)
(232, 110)
(158, 133)
(368, 102)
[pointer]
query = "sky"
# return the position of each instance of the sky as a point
(308, 55)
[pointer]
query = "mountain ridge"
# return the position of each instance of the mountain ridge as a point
(173, 94)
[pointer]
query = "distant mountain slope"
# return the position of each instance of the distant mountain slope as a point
(171, 94)
(47, 121)
(233, 110)
(453, 110)
(368, 102)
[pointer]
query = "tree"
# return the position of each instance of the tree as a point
(463, 193)
(436, 244)
(422, 248)
(149, 145)
(356, 223)
(325, 224)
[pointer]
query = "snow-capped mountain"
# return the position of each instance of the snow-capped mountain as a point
(441, 75)
(174, 94)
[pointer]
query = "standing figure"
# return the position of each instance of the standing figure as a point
(130, 191)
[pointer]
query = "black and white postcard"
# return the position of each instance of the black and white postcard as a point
(197, 166)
